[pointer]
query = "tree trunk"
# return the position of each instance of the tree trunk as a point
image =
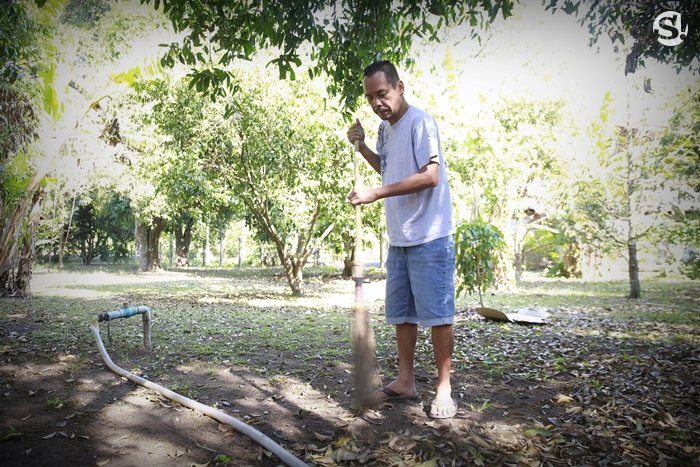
(222, 247)
(571, 260)
(293, 268)
(61, 249)
(518, 267)
(84, 255)
(183, 240)
(633, 266)
(635, 286)
(17, 246)
(64, 240)
(26, 260)
(27, 253)
(295, 277)
(347, 268)
(205, 249)
(142, 240)
(518, 240)
(349, 249)
(148, 237)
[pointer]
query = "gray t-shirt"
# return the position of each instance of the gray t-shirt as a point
(403, 148)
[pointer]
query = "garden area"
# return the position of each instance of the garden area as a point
(606, 381)
(195, 159)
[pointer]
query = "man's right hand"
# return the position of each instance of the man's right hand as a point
(363, 196)
(356, 133)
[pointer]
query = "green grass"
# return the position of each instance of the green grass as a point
(598, 346)
(185, 390)
(55, 402)
(481, 407)
(248, 317)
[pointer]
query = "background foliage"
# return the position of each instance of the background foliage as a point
(214, 146)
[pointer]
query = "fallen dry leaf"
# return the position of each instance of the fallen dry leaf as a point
(402, 443)
(345, 454)
(322, 437)
(564, 399)
(224, 427)
(479, 441)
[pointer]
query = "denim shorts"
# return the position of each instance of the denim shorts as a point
(420, 285)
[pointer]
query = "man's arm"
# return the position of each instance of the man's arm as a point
(370, 156)
(427, 177)
(356, 135)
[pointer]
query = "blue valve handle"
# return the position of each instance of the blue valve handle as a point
(122, 313)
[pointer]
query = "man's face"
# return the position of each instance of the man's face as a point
(386, 100)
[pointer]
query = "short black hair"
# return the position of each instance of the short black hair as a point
(386, 67)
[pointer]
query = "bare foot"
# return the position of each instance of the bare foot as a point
(443, 407)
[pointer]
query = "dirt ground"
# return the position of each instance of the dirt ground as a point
(105, 420)
(68, 408)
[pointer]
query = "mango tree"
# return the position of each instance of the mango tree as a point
(630, 24)
(679, 147)
(102, 227)
(623, 198)
(510, 159)
(286, 162)
(340, 37)
(169, 188)
(173, 133)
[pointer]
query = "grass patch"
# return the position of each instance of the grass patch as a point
(185, 390)
(598, 346)
(480, 407)
(55, 403)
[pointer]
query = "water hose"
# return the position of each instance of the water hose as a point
(260, 438)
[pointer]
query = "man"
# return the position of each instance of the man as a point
(420, 261)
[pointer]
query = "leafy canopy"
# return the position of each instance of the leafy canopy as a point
(634, 20)
(340, 37)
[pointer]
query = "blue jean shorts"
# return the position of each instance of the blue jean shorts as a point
(420, 285)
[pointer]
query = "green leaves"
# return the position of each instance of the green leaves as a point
(634, 20)
(16, 176)
(127, 77)
(341, 37)
(17, 41)
(50, 100)
(18, 121)
(477, 245)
